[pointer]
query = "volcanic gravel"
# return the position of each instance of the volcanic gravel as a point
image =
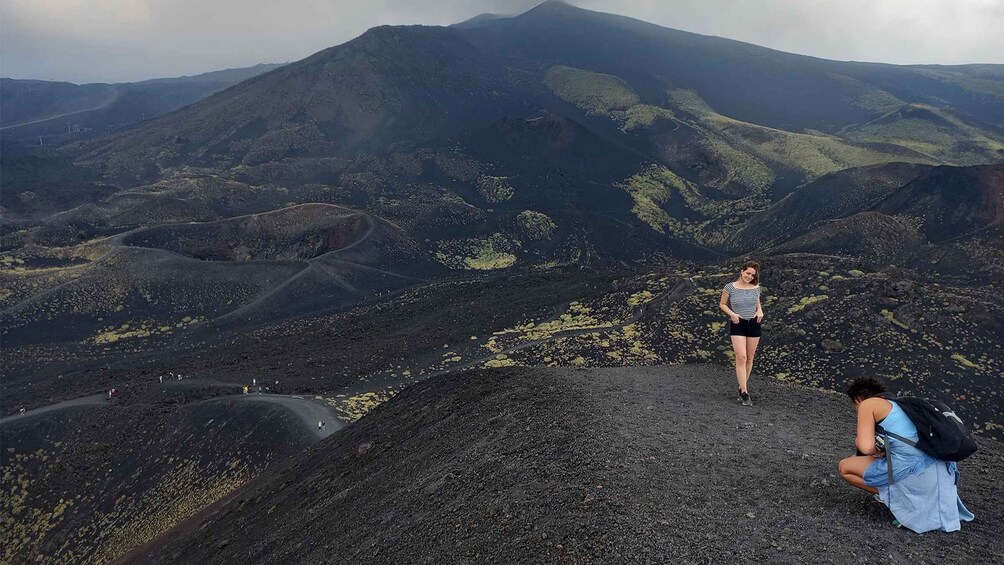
(627, 465)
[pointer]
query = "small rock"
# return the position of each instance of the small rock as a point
(364, 448)
(832, 345)
(750, 515)
(223, 544)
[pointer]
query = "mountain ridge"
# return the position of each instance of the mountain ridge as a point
(592, 466)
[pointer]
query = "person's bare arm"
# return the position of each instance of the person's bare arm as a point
(759, 311)
(865, 439)
(723, 303)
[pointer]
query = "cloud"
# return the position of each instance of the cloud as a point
(125, 40)
(889, 31)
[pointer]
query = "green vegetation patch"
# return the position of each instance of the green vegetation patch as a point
(113, 334)
(650, 190)
(596, 93)
(741, 168)
(534, 225)
(877, 100)
(814, 154)
(987, 84)
(689, 101)
(604, 95)
(961, 360)
(866, 95)
(643, 116)
(807, 301)
(932, 131)
(480, 254)
(495, 189)
(352, 408)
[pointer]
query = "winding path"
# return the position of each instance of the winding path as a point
(309, 410)
(92, 400)
(114, 96)
(312, 410)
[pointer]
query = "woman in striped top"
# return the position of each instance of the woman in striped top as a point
(741, 302)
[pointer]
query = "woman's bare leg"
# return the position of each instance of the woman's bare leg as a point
(739, 346)
(852, 470)
(751, 343)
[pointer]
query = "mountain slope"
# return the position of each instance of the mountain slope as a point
(87, 484)
(870, 237)
(603, 124)
(419, 84)
(743, 81)
(951, 202)
(27, 100)
(61, 112)
(586, 466)
(389, 84)
(832, 196)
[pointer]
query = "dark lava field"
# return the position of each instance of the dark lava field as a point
(450, 295)
(625, 465)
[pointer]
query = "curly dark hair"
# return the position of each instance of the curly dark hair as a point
(866, 387)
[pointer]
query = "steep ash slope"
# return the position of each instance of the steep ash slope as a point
(630, 465)
(87, 484)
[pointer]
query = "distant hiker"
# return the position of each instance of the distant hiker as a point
(21, 410)
(919, 490)
(245, 389)
(161, 378)
(109, 394)
(320, 425)
(254, 382)
(179, 376)
(741, 303)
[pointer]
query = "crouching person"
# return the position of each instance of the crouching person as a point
(920, 490)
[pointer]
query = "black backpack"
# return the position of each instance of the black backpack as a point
(940, 432)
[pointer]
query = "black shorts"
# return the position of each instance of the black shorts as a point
(748, 328)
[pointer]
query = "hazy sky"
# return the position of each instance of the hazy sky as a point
(126, 40)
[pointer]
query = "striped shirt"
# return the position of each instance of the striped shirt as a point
(743, 301)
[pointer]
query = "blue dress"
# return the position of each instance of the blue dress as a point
(924, 493)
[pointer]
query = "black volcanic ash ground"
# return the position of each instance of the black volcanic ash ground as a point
(628, 465)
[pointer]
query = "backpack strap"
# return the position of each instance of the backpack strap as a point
(907, 441)
(888, 458)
